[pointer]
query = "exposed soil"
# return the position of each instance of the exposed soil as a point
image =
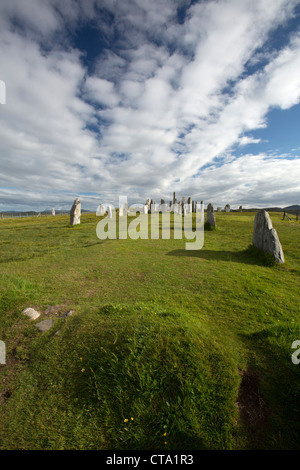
(253, 409)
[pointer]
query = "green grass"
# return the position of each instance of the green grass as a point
(158, 334)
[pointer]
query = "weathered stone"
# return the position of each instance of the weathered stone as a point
(31, 313)
(121, 211)
(109, 211)
(75, 212)
(210, 216)
(219, 209)
(146, 208)
(44, 325)
(100, 210)
(265, 236)
(53, 211)
(241, 209)
(227, 208)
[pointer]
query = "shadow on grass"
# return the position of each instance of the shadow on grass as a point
(249, 256)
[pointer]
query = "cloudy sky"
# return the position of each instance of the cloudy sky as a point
(145, 97)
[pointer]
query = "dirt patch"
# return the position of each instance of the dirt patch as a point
(253, 409)
(53, 309)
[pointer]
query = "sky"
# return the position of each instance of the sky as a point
(140, 98)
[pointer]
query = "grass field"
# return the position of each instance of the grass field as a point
(165, 349)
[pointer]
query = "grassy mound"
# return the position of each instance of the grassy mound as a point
(125, 378)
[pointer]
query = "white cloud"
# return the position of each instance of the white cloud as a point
(168, 97)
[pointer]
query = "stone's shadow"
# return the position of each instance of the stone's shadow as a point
(244, 256)
(100, 242)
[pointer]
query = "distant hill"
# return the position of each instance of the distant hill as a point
(295, 207)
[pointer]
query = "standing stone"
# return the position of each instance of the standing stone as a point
(109, 212)
(75, 213)
(227, 208)
(210, 216)
(53, 211)
(100, 210)
(265, 236)
(219, 209)
(190, 203)
(121, 211)
(174, 198)
(241, 209)
(126, 208)
(146, 208)
(163, 206)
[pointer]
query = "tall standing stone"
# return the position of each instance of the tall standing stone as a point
(210, 216)
(53, 211)
(101, 210)
(109, 211)
(265, 236)
(227, 208)
(75, 212)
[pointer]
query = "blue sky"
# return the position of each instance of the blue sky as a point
(142, 98)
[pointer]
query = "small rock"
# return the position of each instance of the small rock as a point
(31, 313)
(45, 325)
(67, 314)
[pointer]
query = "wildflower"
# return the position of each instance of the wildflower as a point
(166, 443)
(82, 370)
(125, 420)
(165, 434)
(132, 419)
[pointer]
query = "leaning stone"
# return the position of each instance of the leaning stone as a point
(265, 236)
(75, 212)
(31, 313)
(44, 325)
